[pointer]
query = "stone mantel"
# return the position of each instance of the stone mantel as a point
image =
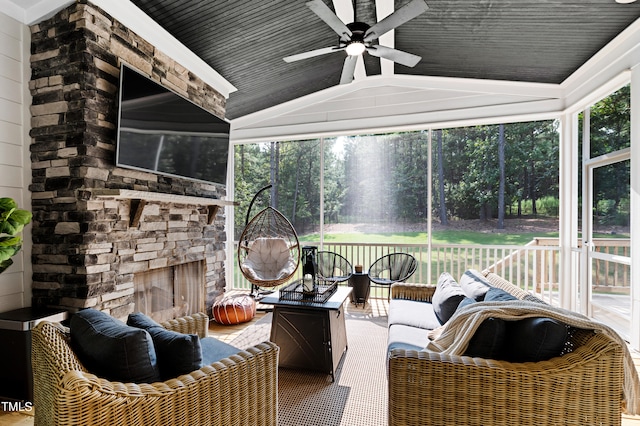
(139, 200)
(129, 194)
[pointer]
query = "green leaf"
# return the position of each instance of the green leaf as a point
(13, 220)
(21, 216)
(7, 204)
(9, 247)
(9, 227)
(5, 264)
(10, 241)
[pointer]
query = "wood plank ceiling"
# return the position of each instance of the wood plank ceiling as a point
(527, 40)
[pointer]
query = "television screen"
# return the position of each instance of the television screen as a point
(162, 132)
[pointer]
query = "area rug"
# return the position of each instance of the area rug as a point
(358, 397)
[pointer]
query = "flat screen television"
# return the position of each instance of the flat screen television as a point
(161, 132)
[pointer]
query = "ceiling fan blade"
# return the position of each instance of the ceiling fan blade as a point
(348, 69)
(397, 18)
(327, 15)
(312, 53)
(403, 58)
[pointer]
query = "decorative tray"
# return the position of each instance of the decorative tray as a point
(295, 292)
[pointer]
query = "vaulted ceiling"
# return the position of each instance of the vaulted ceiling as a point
(526, 41)
(509, 52)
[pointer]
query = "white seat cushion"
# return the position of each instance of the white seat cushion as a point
(269, 259)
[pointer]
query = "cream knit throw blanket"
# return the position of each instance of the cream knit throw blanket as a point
(461, 327)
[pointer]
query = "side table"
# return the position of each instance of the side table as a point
(311, 336)
(361, 287)
(16, 374)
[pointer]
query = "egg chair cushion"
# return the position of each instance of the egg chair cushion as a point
(268, 259)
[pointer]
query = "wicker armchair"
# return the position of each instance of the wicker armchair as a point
(582, 387)
(239, 390)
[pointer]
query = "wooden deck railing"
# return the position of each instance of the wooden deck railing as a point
(533, 267)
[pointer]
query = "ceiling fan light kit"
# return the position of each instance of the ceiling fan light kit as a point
(357, 37)
(355, 48)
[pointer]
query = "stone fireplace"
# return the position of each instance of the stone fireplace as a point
(97, 226)
(170, 292)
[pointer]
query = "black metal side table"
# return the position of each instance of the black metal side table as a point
(16, 374)
(361, 287)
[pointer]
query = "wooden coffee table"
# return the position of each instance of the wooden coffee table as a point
(311, 336)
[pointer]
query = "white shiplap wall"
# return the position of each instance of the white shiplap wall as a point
(15, 169)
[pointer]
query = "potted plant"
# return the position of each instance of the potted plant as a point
(12, 221)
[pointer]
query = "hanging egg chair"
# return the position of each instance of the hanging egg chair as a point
(268, 249)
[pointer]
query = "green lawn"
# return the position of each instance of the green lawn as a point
(438, 237)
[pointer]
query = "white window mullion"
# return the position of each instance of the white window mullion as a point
(635, 208)
(321, 194)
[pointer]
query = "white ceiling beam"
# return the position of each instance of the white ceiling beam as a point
(532, 90)
(615, 59)
(493, 114)
(344, 10)
(385, 8)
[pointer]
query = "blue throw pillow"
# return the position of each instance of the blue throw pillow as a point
(489, 340)
(112, 350)
(497, 294)
(446, 298)
(466, 302)
(535, 339)
(178, 353)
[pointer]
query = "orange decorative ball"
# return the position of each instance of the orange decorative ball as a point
(234, 310)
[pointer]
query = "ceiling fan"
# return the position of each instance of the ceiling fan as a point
(357, 37)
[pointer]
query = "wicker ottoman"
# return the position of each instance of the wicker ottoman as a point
(234, 310)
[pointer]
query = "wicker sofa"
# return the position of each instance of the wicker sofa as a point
(580, 387)
(238, 390)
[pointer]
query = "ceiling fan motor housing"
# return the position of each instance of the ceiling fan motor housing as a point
(358, 30)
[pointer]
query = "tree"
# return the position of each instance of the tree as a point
(442, 201)
(501, 187)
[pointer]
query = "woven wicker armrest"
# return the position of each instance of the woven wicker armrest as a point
(584, 387)
(239, 390)
(409, 291)
(194, 324)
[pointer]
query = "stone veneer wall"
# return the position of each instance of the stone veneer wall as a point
(84, 250)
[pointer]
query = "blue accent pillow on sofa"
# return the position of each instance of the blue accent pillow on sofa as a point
(465, 302)
(497, 294)
(447, 297)
(112, 350)
(535, 339)
(489, 340)
(178, 353)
